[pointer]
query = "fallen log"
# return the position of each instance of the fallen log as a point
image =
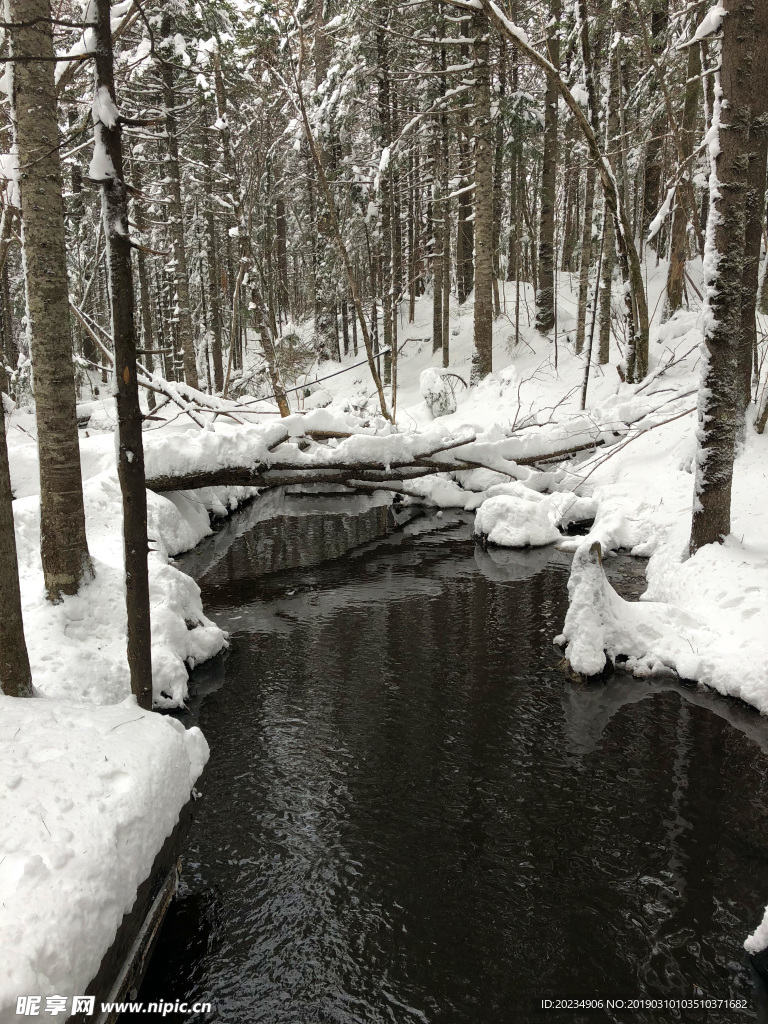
(321, 460)
(267, 479)
(419, 464)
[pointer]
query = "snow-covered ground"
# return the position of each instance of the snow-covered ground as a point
(703, 617)
(87, 798)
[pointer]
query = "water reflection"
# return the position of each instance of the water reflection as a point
(410, 815)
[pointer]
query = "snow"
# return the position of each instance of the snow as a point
(702, 618)
(516, 520)
(9, 178)
(103, 108)
(665, 210)
(711, 22)
(87, 798)
(757, 941)
(436, 392)
(88, 629)
(101, 165)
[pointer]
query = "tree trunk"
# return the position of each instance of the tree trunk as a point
(212, 262)
(753, 230)
(439, 202)
(108, 154)
(609, 262)
(145, 301)
(283, 293)
(324, 285)
(742, 94)
(676, 273)
(545, 296)
(586, 257)
(63, 544)
(482, 355)
(652, 186)
(15, 674)
(498, 177)
(176, 207)
(385, 190)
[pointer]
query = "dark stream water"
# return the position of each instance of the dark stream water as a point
(411, 815)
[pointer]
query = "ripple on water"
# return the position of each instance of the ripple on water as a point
(410, 815)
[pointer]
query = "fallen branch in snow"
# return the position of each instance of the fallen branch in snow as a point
(614, 449)
(268, 479)
(531, 460)
(653, 377)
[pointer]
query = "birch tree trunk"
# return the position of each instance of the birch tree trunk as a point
(63, 544)
(108, 157)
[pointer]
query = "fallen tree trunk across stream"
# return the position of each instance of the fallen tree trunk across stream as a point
(363, 458)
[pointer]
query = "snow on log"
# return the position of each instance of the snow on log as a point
(245, 456)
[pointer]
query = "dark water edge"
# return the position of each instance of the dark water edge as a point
(410, 814)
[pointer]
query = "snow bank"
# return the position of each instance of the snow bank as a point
(77, 648)
(701, 616)
(87, 798)
(758, 940)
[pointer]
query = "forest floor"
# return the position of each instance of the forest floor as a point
(79, 837)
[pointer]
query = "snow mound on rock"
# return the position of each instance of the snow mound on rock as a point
(522, 519)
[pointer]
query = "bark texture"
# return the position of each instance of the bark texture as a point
(130, 455)
(15, 674)
(742, 96)
(63, 544)
(677, 254)
(545, 296)
(482, 354)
